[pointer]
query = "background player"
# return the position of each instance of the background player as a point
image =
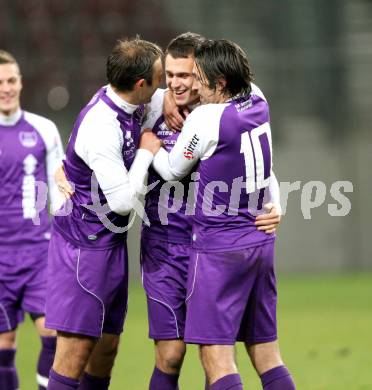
(30, 152)
(166, 240)
(88, 265)
(231, 284)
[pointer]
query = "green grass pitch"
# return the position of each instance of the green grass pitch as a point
(325, 326)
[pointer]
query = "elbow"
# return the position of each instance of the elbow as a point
(169, 174)
(169, 177)
(122, 208)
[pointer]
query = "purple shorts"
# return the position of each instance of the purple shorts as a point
(22, 283)
(164, 278)
(87, 289)
(231, 296)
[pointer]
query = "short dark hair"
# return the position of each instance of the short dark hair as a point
(7, 58)
(131, 60)
(224, 58)
(184, 45)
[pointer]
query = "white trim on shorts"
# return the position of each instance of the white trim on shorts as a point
(174, 314)
(162, 303)
(193, 282)
(90, 292)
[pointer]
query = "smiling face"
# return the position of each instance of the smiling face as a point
(10, 88)
(180, 79)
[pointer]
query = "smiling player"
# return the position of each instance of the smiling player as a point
(30, 152)
(166, 240)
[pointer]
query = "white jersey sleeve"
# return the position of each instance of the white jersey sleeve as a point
(54, 154)
(198, 140)
(99, 144)
(274, 192)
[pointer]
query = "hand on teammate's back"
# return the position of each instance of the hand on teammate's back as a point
(150, 141)
(270, 221)
(63, 184)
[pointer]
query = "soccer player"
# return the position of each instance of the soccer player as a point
(166, 237)
(88, 266)
(30, 152)
(231, 292)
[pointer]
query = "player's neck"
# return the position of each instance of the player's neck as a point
(220, 97)
(189, 106)
(10, 118)
(122, 100)
(128, 97)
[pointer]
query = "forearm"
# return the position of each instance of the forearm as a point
(274, 191)
(161, 164)
(122, 194)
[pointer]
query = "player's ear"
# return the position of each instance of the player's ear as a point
(221, 83)
(139, 84)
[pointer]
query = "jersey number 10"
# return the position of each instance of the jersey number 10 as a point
(256, 148)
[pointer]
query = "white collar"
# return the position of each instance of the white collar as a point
(121, 103)
(10, 120)
(237, 96)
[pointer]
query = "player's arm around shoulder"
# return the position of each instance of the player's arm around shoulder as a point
(174, 116)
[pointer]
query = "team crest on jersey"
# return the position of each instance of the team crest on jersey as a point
(128, 138)
(190, 148)
(28, 139)
(129, 143)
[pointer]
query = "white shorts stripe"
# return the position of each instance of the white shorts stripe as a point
(193, 282)
(167, 306)
(162, 303)
(90, 292)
